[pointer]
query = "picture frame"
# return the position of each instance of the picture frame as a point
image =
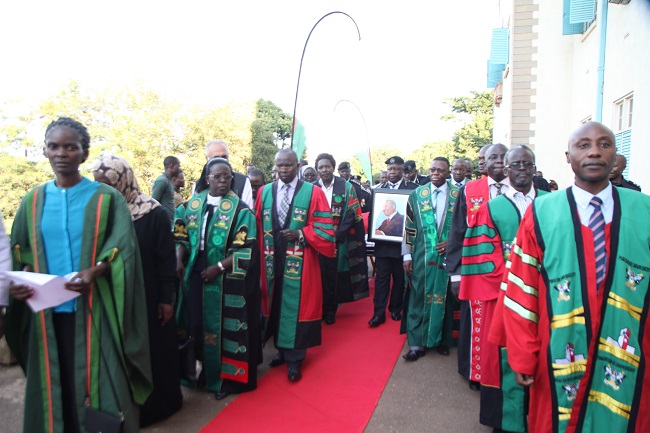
(378, 230)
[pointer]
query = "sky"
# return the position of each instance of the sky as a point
(386, 89)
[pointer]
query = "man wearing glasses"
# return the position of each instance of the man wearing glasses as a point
(459, 260)
(502, 400)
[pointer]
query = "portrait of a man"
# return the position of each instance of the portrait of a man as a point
(393, 225)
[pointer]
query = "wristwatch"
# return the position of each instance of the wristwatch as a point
(301, 237)
(220, 265)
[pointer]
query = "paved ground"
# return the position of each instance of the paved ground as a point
(423, 396)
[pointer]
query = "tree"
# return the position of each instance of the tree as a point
(18, 177)
(427, 152)
(378, 157)
(477, 111)
(270, 131)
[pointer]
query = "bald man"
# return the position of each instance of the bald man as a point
(241, 183)
(577, 296)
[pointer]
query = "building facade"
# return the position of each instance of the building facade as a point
(567, 62)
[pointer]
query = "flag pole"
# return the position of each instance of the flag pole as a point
(295, 103)
(365, 127)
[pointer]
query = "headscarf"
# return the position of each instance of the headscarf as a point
(202, 184)
(302, 171)
(120, 173)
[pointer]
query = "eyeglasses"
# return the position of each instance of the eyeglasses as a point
(438, 170)
(220, 177)
(519, 164)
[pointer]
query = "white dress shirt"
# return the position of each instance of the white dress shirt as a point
(505, 185)
(214, 201)
(327, 190)
(5, 263)
(522, 201)
(585, 210)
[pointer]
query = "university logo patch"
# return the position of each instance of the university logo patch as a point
(299, 214)
(476, 203)
(563, 288)
(571, 355)
(613, 378)
(633, 279)
(571, 390)
(623, 341)
(506, 247)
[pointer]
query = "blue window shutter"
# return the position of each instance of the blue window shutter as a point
(494, 74)
(582, 11)
(623, 145)
(500, 46)
(567, 27)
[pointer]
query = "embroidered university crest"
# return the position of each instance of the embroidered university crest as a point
(299, 214)
(476, 203)
(571, 390)
(633, 279)
(563, 288)
(571, 356)
(623, 341)
(613, 378)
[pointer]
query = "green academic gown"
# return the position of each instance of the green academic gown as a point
(119, 318)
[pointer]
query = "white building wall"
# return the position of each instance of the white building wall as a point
(566, 83)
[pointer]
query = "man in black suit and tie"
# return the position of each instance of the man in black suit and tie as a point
(388, 255)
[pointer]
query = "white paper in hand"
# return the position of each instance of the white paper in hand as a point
(49, 290)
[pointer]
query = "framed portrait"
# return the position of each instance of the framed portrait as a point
(388, 215)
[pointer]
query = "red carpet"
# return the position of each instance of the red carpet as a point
(340, 387)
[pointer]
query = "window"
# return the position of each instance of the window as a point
(623, 113)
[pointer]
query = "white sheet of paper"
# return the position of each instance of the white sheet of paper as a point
(48, 289)
(4, 291)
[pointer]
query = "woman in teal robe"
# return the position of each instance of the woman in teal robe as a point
(219, 304)
(72, 224)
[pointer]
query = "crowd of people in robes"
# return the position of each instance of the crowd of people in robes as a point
(544, 292)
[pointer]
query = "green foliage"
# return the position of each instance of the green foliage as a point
(425, 154)
(16, 179)
(270, 131)
(136, 123)
(378, 157)
(477, 131)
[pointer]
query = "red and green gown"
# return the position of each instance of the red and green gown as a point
(108, 235)
(348, 271)
(291, 280)
(231, 345)
(429, 307)
(585, 346)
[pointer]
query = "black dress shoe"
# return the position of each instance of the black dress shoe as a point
(474, 386)
(443, 350)
(220, 395)
(376, 321)
(329, 318)
(414, 355)
(278, 359)
(293, 371)
(396, 316)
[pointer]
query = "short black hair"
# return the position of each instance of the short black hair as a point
(442, 158)
(327, 156)
(76, 126)
(257, 172)
(170, 160)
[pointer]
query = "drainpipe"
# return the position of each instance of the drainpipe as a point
(602, 17)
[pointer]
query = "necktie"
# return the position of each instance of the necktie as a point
(597, 226)
(392, 185)
(498, 185)
(435, 198)
(284, 204)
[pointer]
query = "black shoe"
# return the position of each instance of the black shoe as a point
(396, 316)
(474, 386)
(443, 350)
(414, 355)
(376, 321)
(293, 371)
(329, 318)
(220, 395)
(278, 359)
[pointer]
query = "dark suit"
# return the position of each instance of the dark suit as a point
(388, 263)
(393, 226)
(422, 179)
